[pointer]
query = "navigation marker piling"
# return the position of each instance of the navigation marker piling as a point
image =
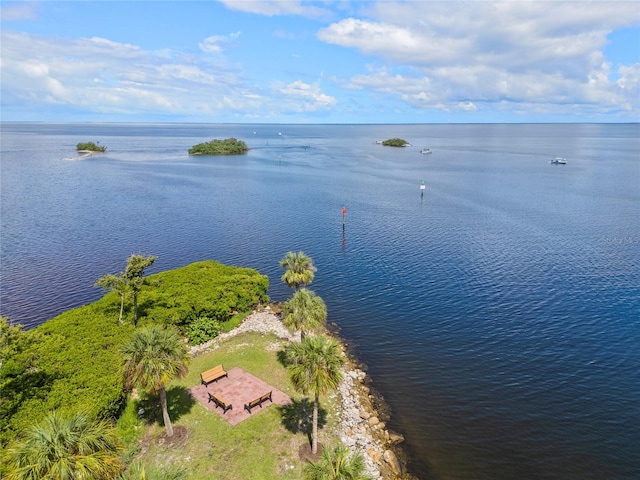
(344, 212)
(422, 188)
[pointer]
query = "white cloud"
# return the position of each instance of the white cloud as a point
(97, 74)
(18, 12)
(544, 56)
(467, 106)
(301, 96)
(271, 8)
(462, 54)
(373, 38)
(215, 43)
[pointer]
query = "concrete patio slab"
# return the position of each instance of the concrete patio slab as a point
(238, 388)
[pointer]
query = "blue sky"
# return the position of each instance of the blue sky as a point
(296, 61)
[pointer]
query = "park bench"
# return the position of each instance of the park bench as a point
(212, 375)
(258, 401)
(220, 402)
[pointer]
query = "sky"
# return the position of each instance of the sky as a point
(342, 61)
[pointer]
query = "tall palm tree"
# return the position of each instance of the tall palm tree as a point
(65, 448)
(315, 366)
(152, 358)
(337, 464)
(304, 311)
(299, 269)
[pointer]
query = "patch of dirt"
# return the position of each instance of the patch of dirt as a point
(304, 453)
(178, 440)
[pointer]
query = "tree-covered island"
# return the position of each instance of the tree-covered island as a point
(396, 142)
(229, 146)
(90, 147)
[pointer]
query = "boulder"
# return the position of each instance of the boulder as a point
(393, 462)
(395, 438)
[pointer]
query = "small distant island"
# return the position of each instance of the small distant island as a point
(230, 146)
(90, 147)
(396, 142)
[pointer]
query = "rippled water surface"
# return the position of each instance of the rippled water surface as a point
(498, 315)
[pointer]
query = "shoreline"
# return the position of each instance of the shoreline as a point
(361, 428)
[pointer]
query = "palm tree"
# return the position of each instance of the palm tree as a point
(299, 269)
(117, 283)
(65, 448)
(152, 358)
(314, 366)
(133, 277)
(304, 311)
(337, 464)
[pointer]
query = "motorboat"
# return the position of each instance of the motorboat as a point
(559, 161)
(426, 151)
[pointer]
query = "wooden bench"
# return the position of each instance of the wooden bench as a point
(220, 402)
(213, 375)
(258, 401)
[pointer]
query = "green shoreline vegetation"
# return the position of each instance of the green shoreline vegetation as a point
(79, 368)
(229, 146)
(90, 147)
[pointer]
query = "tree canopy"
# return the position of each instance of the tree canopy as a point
(314, 366)
(65, 447)
(152, 358)
(299, 269)
(304, 311)
(337, 463)
(133, 277)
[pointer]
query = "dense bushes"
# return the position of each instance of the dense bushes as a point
(76, 367)
(203, 289)
(202, 329)
(76, 363)
(230, 146)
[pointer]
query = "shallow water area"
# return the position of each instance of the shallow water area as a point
(498, 314)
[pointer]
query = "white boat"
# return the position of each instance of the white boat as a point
(559, 161)
(426, 151)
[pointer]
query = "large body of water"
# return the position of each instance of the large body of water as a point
(498, 315)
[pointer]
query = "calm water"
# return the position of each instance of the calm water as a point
(499, 315)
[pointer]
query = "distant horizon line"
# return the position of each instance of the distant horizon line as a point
(311, 124)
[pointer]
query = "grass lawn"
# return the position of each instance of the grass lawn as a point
(264, 446)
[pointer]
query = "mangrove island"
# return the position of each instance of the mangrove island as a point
(395, 142)
(90, 147)
(230, 146)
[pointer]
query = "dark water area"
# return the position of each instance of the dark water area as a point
(498, 315)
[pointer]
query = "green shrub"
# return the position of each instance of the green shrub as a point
(77, 368)
(395, 142)
(202, 289)
(230, 146)
(129, 424)
(91, 147)
(202, 330)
